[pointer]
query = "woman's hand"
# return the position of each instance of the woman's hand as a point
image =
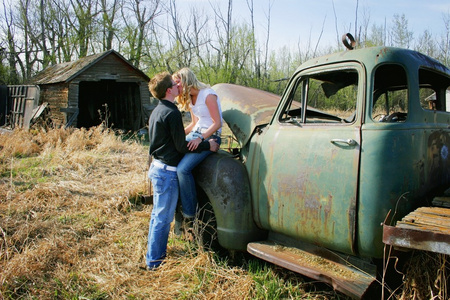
(193, 144)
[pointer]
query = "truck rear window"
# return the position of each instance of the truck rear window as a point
(390, 96)
(434, 91)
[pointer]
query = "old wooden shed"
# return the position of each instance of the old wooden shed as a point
(96, 88)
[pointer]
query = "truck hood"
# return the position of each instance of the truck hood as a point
(244, 108)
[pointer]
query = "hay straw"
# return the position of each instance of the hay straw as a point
(71, 225)
(427, 276)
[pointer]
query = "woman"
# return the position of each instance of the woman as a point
(203, 104)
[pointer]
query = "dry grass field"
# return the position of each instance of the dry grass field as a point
(72, 226)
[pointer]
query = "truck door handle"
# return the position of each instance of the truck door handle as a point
(350, 142)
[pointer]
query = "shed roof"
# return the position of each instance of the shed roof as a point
(65, 72)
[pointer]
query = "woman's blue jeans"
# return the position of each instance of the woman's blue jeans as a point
(188, 193)
(165, 197)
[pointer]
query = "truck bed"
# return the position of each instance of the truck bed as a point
(426, 228)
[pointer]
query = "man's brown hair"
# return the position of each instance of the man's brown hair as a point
(159, 84)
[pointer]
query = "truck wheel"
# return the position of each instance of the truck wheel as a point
(207, 223)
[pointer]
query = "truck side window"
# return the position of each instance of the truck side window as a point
(434, 91)
(390, 96)
(329, 97)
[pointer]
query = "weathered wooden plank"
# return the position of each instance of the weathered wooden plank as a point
(435, 210)
(427, 219)
(426, 228)
(422, 227)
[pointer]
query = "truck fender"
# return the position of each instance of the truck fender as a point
(224, 181)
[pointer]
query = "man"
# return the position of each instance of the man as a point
(167, 147)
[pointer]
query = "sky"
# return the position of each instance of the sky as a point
(296, 22)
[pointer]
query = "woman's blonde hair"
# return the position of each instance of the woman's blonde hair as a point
(188, 80)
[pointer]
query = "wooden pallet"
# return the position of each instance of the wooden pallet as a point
(435, 219)
(426, 228)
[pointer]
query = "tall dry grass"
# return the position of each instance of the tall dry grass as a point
(426, 276)
(72, 227)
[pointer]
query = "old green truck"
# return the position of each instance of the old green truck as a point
(357, 140)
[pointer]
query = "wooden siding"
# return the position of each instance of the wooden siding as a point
(146, 102)
(57, 96)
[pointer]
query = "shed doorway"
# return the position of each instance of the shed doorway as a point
(116, 103)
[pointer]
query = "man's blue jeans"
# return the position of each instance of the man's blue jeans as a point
(165, 197)
(188, 194)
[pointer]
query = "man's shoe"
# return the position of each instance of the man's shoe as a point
(152, 268)
(147, 268)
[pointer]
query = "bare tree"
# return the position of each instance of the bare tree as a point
(256, 63)
(142, 14)
(109, 11)
(426, 44)
(12, 55)
(357, 34)
(377, 36)
(400, 34)
(225, 38)
(28, 37)
(364, 30)
(60, 32)
(43, 34)
(266, 52)
(200, 39)
(85, 12)
(338, 36)
(444, 45)
(182, 46)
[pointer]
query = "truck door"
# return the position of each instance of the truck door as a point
(309, 159)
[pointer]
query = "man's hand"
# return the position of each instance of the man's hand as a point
(213, 146)
(193, 144)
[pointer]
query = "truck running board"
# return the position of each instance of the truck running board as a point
(311, 262)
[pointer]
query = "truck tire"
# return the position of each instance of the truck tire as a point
(207, 223)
